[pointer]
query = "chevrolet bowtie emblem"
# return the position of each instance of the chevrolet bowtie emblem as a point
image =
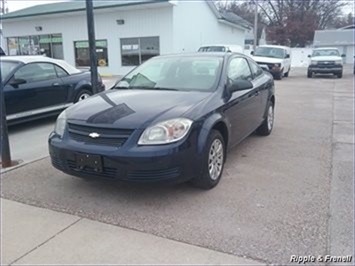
(94, 135)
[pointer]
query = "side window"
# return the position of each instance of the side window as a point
(60, 71)
(36, 72)
(255, 69)
(239, 69)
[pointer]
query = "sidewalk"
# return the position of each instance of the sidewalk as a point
(34, 236)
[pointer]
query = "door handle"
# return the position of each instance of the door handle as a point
(56, 84)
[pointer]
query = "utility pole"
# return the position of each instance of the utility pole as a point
(255, 25)
(4, 140)
(92, 44)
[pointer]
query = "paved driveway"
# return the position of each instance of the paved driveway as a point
(279, 196)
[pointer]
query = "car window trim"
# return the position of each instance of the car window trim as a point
(254, 76)
(55, 65)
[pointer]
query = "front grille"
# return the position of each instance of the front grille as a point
(328, 63)
(106, 136)
(154, 174)
(107, 172)
(269, 65)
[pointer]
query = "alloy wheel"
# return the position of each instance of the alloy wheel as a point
(215, 159)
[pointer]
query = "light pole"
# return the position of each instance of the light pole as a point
(92, 44)
(4, 140)
(255, 25)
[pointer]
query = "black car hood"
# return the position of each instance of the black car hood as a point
(134, 108)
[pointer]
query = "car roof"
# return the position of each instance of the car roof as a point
(275, 46)
(326, 48)
(199, 54)
(26, 59)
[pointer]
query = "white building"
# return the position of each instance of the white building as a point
(342, 38)
(127, 32)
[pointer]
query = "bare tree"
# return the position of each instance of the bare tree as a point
(291, 22)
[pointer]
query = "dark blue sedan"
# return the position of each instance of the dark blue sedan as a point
(38, 86)
(171, 119)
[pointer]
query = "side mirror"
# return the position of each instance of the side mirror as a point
(15, 82)
(343, 55)
(309, 56)
(287, 56)
(252, 52)
(240, 85)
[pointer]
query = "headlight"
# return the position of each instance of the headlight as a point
(339, 62)
(314, 62)
(61, 124)
(166, 132)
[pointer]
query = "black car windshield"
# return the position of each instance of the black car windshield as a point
(6, 68)
(325, 52)
(270, 52)
(212, 49)
(200, 73)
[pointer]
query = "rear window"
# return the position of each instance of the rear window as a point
(212, 49)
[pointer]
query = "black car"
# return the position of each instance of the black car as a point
(38, 86)
(171, 119)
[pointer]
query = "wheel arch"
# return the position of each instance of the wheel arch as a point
(214, 122)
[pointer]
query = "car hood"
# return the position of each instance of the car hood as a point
(326, 58)
(133, 109)
(271, 60)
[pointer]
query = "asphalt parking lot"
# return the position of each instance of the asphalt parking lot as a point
(287, 194)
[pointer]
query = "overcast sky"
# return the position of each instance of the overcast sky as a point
(14, 5)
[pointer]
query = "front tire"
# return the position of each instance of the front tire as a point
(309, 74)
(268, 124)
(213, 162)
(288, 72)
(279, 76)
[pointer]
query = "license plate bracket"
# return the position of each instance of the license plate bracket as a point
(89, 160)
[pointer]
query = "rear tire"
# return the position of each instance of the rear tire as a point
(266, 127)
(82, 95)
(340, 75)
(213, 162)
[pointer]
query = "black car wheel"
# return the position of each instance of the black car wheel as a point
(213, 162)
(309, 74)
(288, 72)
(340, 75)
(266, 127)
(82, 95)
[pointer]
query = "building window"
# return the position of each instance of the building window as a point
(82, 53)
(135, 51)
(48, 45)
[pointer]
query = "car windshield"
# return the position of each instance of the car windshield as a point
(325, 52)
(270, 52)
(6, 68)
(212, 49)
(175, 73)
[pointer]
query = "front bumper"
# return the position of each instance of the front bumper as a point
(174, 163)
(274, 70)
(326, 69)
